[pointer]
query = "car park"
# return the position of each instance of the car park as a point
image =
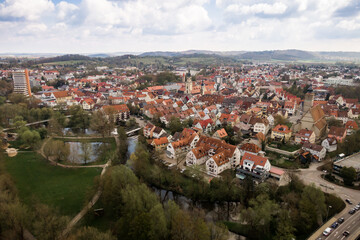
(327, 231)
(341, 220)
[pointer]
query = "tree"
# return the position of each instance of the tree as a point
(259, 214)
(56, 123)
(348, 174)
(57, 149)
(86, 233)
(86, 151)
(30, 138)
(312, 206)
(333, 122)
(284, 228)
(131, 123)
(79, 120)
(47, 223)
(122, 147)
(175, 125)
(102, 122)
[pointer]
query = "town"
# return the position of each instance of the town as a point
(263, 124)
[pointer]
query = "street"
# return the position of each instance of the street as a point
(352, 222)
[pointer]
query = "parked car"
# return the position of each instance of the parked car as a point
(357, 207)
(348, 201)
(327, 231)
(341, 220)
(334, 225)
(346, 233)
(352, 211)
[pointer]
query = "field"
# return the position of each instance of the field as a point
(58, 187)
(70, 62)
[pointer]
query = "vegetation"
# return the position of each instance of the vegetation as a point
(348, 174)
(288, 211)
(42, 221)
(138, 214)
(103, 122)
(79, 120)
(122, 148)
(348, 92)
(297, 91)
(58, 187)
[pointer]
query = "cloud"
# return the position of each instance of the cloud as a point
(350, 10)
(141, 25)
(264, 8)
(66, 10)
(24, 9)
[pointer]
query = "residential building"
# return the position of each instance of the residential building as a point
(280, 133)
(221, 133)
(160, 143)
(183, 142)
(249, 148)
(318, 151)
(305, 136)
(330, 144)
(351, 126)
(254, 165)
(122, 112)
(337, 132)
(262, 125)
(22, 82)
(217, 154)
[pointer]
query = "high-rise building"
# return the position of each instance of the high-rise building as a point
(22, 82)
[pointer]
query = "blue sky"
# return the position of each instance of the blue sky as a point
(90, 26)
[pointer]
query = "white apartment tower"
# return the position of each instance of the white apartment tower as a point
(22, 82)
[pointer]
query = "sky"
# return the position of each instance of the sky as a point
(108, 26)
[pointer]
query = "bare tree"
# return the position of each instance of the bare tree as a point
(86, 149)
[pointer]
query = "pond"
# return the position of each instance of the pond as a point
(93, 151)
(88, 131)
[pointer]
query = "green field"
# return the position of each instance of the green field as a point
(58, 187)
(70, 62)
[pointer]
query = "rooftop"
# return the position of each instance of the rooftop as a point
(350, 161)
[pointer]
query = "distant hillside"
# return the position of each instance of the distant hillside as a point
(282, 55)
(69, 57)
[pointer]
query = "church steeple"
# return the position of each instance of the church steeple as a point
(202, 87)
(189, 85)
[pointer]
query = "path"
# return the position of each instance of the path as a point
(93, 200)
(33, 123)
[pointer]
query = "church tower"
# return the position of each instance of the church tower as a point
(202, 87)
(189, 85)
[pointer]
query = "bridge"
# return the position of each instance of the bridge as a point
(132, 132)
(33, 123)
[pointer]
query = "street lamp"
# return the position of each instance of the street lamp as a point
(327, 214)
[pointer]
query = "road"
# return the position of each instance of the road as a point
(312, 175)
(352, 222)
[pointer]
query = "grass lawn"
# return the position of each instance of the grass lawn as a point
(58, 187)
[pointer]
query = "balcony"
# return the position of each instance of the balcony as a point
(261, 175)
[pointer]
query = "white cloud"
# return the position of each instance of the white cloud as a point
(265, 8)
(65, 10)
(28, 10)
